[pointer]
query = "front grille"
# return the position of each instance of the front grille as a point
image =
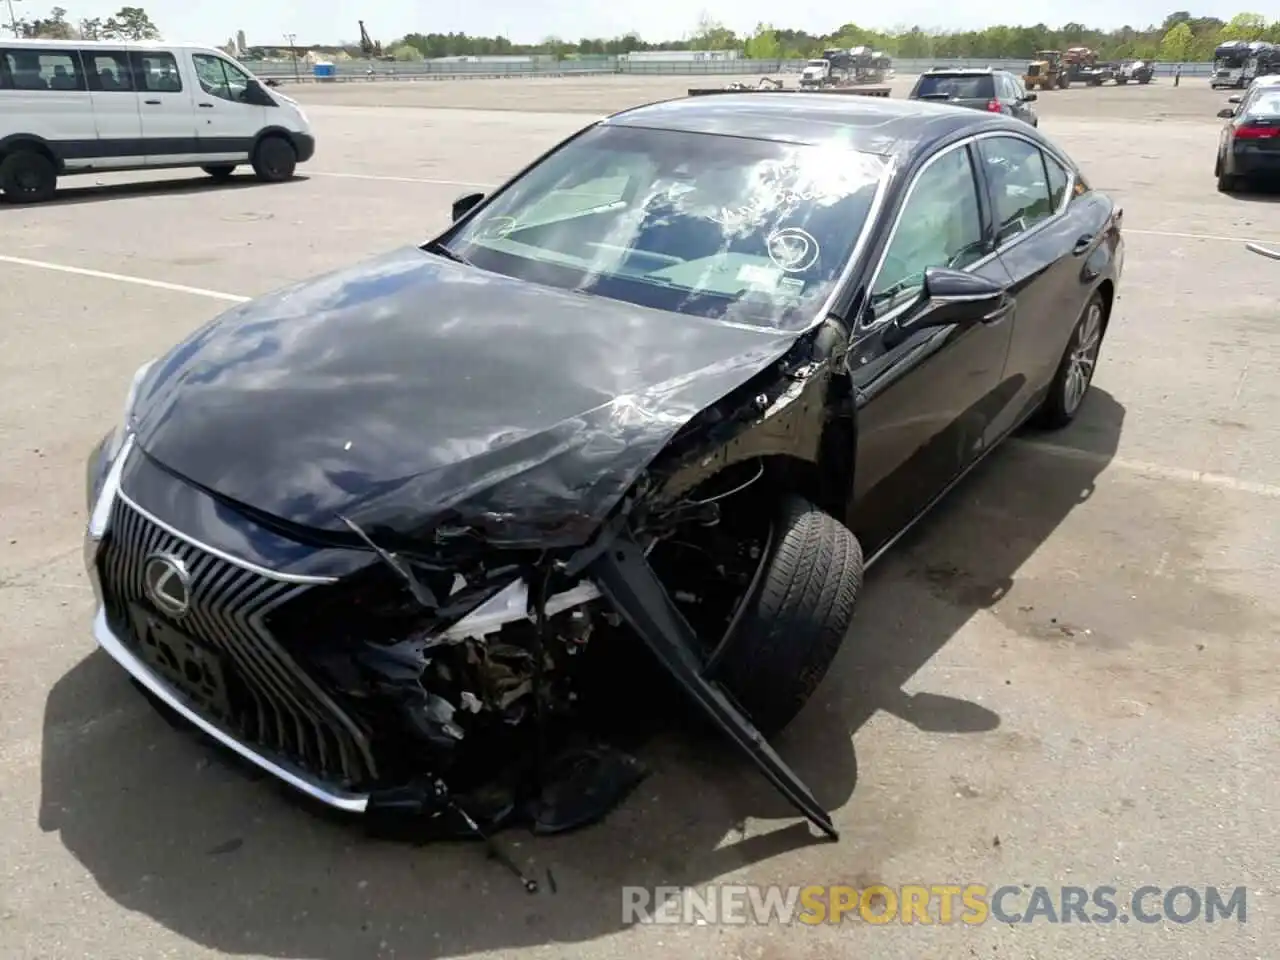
(269, 700)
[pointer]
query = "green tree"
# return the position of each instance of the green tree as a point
(52, 27)
(1176, 45)
(713, 35)
(1244, 26)
(763, 44)
(130, 23)
(406, 53)
(91, 29)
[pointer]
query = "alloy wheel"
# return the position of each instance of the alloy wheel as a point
(1084, 357)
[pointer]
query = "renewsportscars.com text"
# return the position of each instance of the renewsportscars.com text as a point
(970, 904)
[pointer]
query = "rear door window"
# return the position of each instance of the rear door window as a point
(978, 86)
(1019, 184)
(108, 72)
(35, 69)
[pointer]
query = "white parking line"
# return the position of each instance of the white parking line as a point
(124, 278)
(1188, 236)
(1155, 471)
(373, 176)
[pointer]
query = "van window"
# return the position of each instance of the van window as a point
(219, 78)
(158, 72)
(109, 72)
(34, 69)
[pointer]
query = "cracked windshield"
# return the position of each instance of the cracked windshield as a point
(723, 227)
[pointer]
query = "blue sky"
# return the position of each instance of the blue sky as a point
(331, 21)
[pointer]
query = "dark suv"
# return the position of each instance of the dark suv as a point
(996, 91)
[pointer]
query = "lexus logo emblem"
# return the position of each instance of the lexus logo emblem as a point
(168, 584)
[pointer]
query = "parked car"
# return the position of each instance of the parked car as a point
(1249, 144)
(365, 531)
(78, 106)
(995, 91)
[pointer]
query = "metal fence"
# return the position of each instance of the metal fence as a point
(350, 70)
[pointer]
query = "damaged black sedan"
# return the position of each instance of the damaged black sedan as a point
(673, 386)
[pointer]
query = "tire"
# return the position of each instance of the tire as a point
(1067, 391)
(1227, 183)
(274, 160)
(221, 172)
(797, 618)
(28, 177)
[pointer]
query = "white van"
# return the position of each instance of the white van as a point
(87, 107)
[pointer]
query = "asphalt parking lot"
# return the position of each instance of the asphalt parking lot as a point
(1067, 676)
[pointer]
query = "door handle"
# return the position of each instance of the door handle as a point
(206, 106)
(1000, 312)
(152, 103)
(1083, 243)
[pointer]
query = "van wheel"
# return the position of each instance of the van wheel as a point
(274, 160)
(221, 172)
(797, 617)
(28, 177)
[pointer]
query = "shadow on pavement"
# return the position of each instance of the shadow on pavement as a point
(167, 830)
(70, 192)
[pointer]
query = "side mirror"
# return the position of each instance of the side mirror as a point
(1234, 99)
(1226, 113)
(465, 204)
(949, 297)
(1029, 97)
(254, 93)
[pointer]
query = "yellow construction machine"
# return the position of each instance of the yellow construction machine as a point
(1045, 72)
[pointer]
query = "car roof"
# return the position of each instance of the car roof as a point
(108, 44)
(878, 125)
(961, 71)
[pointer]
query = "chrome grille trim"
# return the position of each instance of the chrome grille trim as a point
(221, 555)
(280, 708)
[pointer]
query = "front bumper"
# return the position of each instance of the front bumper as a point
(227, 598)
(103, 483)
(305, 144)
(293, 776)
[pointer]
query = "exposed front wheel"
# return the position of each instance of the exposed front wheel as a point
(795, 618)
(275, 160)
(1075, 371)
(28, 177)
(220, 172)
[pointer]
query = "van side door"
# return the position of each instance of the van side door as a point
(168, 118)
(115, 108)
(227, 117)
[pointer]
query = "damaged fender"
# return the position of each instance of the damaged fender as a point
(626, 579)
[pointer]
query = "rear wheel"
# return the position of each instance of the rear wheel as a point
(1075, 371)
(28, 177)
(221, 171)
(275, 160)
(1227, 183)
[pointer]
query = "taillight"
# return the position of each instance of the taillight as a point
(993, 106)
(1256, 133)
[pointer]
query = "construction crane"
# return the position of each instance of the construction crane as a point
(370, 49)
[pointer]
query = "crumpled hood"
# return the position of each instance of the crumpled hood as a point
(409, 391)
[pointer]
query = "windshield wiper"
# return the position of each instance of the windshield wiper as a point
(440, 250)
